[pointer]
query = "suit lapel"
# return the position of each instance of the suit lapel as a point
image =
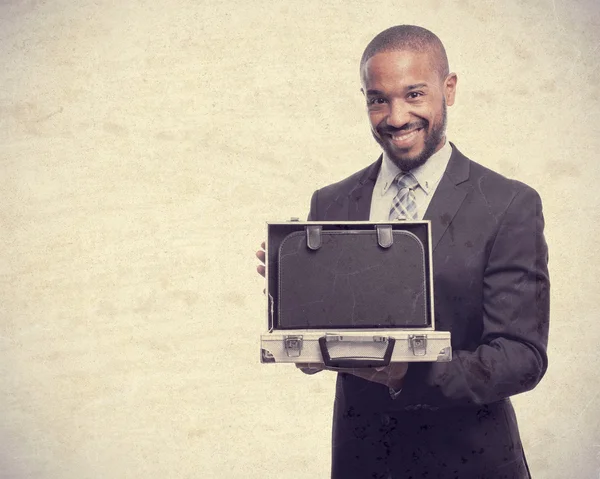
(448, 196)
(359, 199)
(445, 203)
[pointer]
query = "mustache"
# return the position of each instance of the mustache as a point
(407, 127)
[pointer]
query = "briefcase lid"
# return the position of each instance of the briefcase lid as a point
(349, 275)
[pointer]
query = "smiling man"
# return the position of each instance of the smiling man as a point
(441, 420)
(407, 86)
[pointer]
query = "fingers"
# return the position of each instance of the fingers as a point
(260, 254)
(310, 366)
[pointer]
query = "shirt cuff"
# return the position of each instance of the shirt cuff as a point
(394, 393)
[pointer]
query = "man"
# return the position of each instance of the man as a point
(441, 420)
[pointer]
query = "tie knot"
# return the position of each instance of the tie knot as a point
(406, 180)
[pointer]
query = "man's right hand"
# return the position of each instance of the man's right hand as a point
(307, 368)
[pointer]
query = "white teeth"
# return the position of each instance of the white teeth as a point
(406, 136)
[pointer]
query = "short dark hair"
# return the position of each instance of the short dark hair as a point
(411, 38)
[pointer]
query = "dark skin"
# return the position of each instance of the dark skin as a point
(406, 99)
(406, 103)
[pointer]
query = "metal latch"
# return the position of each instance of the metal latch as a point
(418, 344)
(292, 345)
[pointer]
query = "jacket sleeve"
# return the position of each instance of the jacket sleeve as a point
(511, 357)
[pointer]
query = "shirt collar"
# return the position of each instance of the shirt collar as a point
(427, 174)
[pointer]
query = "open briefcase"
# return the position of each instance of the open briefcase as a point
(350, 294)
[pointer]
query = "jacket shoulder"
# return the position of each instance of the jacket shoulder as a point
(326, 201)
(494, 187)
(344, 187)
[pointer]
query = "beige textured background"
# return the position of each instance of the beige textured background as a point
(143, 144)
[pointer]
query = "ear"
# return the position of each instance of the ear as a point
(450, 88)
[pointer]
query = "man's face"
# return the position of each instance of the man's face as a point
(406, 102)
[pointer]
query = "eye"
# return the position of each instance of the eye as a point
(413, 95)
(376, 100)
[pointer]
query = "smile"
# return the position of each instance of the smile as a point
(405, 138)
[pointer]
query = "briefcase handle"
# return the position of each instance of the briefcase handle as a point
(356, 362)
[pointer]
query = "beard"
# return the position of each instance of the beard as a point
(432, 140)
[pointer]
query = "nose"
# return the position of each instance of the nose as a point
(399, 115)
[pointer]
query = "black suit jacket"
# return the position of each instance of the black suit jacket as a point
(491, 291)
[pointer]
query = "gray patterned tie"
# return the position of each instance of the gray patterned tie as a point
(404, 206)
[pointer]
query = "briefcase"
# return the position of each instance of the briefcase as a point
(350, 294)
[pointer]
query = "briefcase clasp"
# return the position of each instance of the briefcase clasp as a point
(293, 346)
(418, 344)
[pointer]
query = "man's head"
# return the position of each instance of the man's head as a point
(407, 85)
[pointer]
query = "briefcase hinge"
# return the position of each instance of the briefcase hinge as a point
(293, 346)
(418, 344)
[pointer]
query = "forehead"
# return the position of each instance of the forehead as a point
(394, 69)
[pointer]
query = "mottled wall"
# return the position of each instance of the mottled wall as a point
(143, 145)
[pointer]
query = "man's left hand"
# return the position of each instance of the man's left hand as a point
(391, 376)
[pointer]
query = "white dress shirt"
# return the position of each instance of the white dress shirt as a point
(428, 176)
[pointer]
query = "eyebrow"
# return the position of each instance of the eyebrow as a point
(408, 88)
